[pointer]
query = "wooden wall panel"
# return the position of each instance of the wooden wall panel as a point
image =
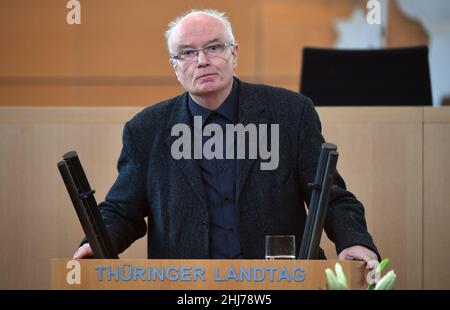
(115, 37)
(116, 56)
(380, 158)
(37, 219)
(88, 95)
(119, 50)
(289, 25)
(436, 198)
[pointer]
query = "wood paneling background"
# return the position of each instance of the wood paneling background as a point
(117, 55)
(380, 157)
(436, 199)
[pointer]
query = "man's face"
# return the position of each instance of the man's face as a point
(204, 75)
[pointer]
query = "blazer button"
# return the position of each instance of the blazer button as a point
(204, 225)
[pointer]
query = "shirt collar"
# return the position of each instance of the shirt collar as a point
(228, 109)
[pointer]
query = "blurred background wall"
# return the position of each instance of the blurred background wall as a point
(117, 55)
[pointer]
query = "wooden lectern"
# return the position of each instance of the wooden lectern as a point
(167, 274)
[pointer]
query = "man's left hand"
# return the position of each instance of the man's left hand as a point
(358, 252)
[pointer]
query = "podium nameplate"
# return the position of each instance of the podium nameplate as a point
(168, 274)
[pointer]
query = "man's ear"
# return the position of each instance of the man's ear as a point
(235, 49)
(234, 52)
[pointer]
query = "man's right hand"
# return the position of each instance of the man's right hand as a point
(84, 251)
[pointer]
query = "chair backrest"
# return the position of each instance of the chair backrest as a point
(382, 77)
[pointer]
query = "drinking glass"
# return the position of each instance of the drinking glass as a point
(280, 247)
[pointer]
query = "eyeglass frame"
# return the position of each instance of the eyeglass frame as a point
(197, 51)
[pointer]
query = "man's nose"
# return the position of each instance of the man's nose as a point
(202, 59)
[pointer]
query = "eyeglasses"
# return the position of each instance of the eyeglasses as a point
(190, 55)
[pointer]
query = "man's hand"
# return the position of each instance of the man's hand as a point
(84, 251)
(358, 252)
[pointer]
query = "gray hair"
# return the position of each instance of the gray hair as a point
(214, 13)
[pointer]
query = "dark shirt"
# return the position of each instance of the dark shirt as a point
(219, 178)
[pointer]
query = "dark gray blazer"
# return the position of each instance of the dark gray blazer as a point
(269, 202)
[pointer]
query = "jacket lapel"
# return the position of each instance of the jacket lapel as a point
(189, 167)
(250, 112)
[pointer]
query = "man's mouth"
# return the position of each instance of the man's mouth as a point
(205, 75)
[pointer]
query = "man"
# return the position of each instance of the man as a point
(222, 208)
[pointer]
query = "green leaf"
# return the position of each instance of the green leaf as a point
(341, 276)
(379, 269)
(382, 265)
(331, 280)
(338, 281)
(386, 282)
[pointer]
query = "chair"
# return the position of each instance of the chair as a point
(384, 77)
